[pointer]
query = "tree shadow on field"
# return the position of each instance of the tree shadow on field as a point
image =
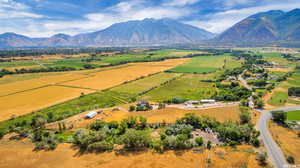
(128, 152)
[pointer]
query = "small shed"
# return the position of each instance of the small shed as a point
(208, 101)
(91, 115)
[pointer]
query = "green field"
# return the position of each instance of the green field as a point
(293, 115)
(275, 57)
(187, 87)
(206, 64)
(144, 84)
(280, 98)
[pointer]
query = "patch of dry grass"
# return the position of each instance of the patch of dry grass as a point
(20, 154)
(170, 115)
(287, 140)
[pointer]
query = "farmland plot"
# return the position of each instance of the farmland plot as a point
(26, 102)
(108, 79)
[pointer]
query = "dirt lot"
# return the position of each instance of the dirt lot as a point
(169, 115)
(287, 139)
(21, 154)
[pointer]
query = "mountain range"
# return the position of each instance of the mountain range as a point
(147, 31)
(274, 25)
(270, 26)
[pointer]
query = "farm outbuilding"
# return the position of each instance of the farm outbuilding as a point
(91, 115)
(208, 101)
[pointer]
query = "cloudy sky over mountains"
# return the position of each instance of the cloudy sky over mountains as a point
(42, 18)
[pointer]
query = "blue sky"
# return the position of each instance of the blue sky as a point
(43, 18)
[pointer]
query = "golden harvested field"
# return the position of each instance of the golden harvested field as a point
(21, 154)
(108, 79)
(26, 102)
(170, 115)
(287, 140)
(18, 86)
(23, 94)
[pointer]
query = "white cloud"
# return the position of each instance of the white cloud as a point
(180, 2)
(10, 9)
(221, 21)
(12, 5)
(131, 10)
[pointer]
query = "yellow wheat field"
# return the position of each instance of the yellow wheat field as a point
(19, 86)
(107, 79)
(26, 102)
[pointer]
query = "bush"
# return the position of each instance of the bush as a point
(262, 158)
(290, 160)
(199, 141)
(48, 142)
(158, 146)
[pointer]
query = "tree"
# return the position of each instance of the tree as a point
(255, 142)
(245, 117)
(199, 141)
(294, 91)
(133, 139)
(38, 122)
(279, 116)
(290, 160)
(209, 145)
(96, 126)
(259, 103)
(2, 133)
(132, 108)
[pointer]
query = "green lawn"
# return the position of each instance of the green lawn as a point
(278, 99)
(293, 115)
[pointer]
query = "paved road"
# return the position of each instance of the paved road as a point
(273, 150)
